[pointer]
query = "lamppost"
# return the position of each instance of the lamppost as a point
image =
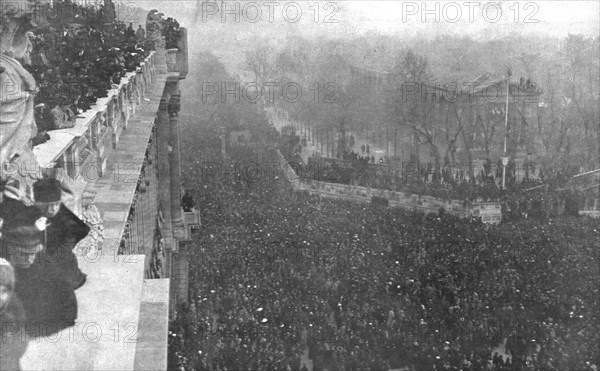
(505, 157)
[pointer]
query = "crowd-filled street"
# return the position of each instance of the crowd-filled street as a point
(369, 288)
(287, 280)
(358, 188)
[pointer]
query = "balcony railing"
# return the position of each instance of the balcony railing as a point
(80, 153)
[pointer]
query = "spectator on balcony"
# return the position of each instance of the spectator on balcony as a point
(61, 116)
(140, 33)
(49, 303)
(12, 316)
(63, 233)
(187, 202)
(130, 31)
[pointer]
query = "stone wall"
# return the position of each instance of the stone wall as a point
(490, 212)
(591, 208)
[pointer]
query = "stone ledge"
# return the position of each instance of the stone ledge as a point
(151, 351)
(106, 332)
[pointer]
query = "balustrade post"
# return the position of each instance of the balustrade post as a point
(123, 109)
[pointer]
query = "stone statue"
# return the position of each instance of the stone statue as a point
(154, 21)
(17, 91)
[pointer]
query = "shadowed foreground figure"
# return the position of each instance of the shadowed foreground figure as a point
(13, 341)
(64, 230)
(48, 300)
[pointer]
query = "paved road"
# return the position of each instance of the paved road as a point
(281, 120)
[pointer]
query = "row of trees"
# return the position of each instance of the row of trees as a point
(343, 92)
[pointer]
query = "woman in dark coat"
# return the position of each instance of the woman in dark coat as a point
(63, 232)
(49, 302)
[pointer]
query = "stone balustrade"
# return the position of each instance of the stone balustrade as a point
(591, 208)
(113, 159)
(79, 153)
(489, 212)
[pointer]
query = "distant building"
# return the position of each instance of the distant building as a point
(477, 107)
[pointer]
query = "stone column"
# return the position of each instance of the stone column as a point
(163, 133)
(174, 165)
(161, 61)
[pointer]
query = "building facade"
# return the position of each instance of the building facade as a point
(121, 159)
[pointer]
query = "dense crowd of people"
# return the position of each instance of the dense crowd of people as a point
(77, 57)
(171, 32)
(80, 54)
(278, 273)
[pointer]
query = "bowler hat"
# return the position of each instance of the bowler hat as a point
(21, 230)
(26, 237)
(47, 190)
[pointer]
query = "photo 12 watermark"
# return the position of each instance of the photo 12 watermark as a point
(79, 332)
(269, 91)
(495, 91)
(469, 11)
(47, 13)
(269, 11)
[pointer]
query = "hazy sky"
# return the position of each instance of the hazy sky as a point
(209, 29)
(474, 18)
(554, 17)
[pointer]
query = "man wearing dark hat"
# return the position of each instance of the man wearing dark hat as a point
(63, 232)
(49, 302)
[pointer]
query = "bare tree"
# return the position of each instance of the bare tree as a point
(257, 61)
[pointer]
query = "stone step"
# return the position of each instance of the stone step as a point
(107, 329)
(151, 352)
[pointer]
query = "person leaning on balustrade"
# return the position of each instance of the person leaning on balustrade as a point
(61, 116)
(64, 230)
(49, 302)
(17, 91)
